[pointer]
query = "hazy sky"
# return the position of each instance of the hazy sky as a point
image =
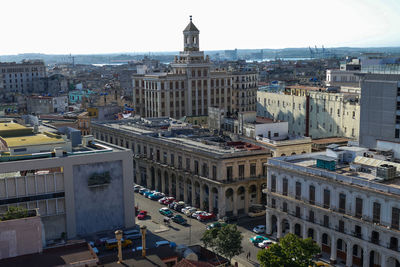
(97, 26)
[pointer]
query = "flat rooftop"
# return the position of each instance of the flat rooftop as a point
(343, 172)
(37, 139)
(185, 136)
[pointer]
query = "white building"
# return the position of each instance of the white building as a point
(348, 203)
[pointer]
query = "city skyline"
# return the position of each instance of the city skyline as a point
(102, 27)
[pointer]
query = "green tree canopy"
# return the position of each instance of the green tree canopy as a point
(292, 251)
(226, 241)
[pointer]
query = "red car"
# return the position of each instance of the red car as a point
(206, 217)
(142, 215)
(167, 200)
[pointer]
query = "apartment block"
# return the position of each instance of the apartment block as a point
(346, 199)
(313, 112)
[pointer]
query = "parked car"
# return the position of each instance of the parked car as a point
(148, 193)
(259, 229)
(190, 211)
(258, 239)
(165, 199)
(179, 219)
(142, 215)
(216, 225)
(230, 219)
(166, 212)
(156, 196)
(101, 241)
(172, 204)
(197, 213)
(168, 201)
(136, 188)
(143, 190)
(132, 234)
(265, 244)
(206, 217)
(183, 210)
(179, 206)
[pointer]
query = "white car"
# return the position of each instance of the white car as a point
(197, 213)
(265, 243)
(259, 229)
(162, 199)
(185, 209)
(190, 211)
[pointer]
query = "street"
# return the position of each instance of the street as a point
(191, 233)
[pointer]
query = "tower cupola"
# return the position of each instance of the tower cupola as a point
(191, 37)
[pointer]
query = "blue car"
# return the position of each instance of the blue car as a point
(155, 196)
(148, 193)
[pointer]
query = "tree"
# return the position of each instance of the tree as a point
(292, 251)
(226, 241)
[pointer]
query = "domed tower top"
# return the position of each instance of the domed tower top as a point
(191, 37)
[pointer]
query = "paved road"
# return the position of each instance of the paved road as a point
(191, 234)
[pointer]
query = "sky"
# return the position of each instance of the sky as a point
(116, 26)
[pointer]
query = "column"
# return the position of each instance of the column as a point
(246, 201)
(268, 228)
(291, 227)
(185, 192)
(201, 197)
(318, 237)
(210, 200)
(169, 185)
(366, 257)
(221, 202)
(333, 249)
(148, 178)
(177, 187)
(162, 183)
(193, 195)
(278, 228)
(157, 184)
(235, 211)
(304, 231)
(383, 260)
(349, 254)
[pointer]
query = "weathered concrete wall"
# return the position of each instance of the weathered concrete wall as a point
(20, 237)
(102, 207)
(54, 226)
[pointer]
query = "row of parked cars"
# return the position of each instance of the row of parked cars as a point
(173, 204)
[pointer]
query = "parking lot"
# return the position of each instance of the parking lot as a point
(191, 233)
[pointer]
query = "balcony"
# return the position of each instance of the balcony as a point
(341, 212)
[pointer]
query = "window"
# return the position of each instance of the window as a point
(311, 216)
(395, 218)
(214, 172)
(188, 164)
(196, 167)
(342, 203)
(359, 205)
(241, 171)
(327, 198)
(180, 162)
(151, 153)
(285, 187)
(341, 226)
(229, 173)
(326, 220)
(375, 237)
(158, 154)
(252, 169)
(376, 212)
(273, 183)
(298, 215)
(204, 170)
(273, 203)
(312, 195)
(357, 231)
(397, 133)
(165, 157)
(298, 190)
(284, 207)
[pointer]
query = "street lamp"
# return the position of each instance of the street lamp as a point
(143, 231)
(118, 236)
